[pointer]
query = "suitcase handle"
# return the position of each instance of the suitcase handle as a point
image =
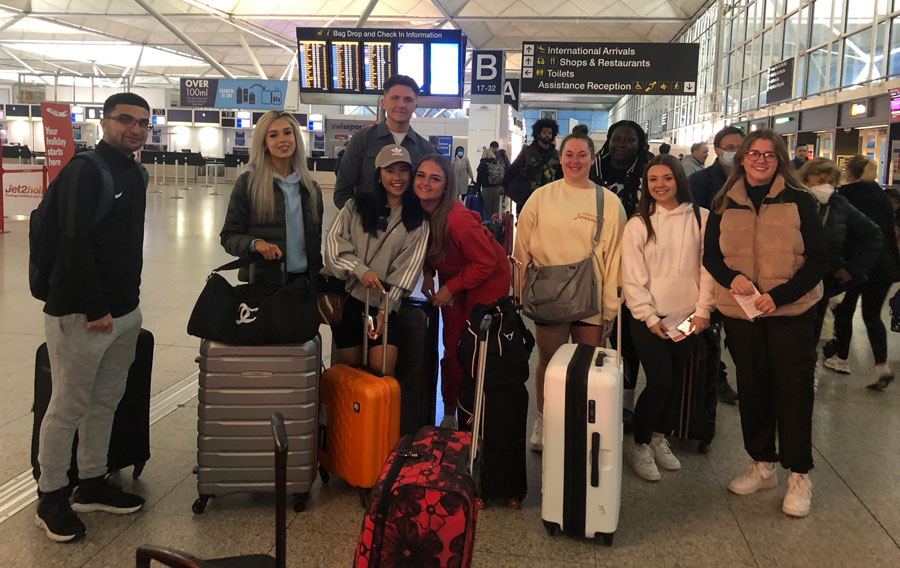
(595, 460)
(385, 306)
(478, 411)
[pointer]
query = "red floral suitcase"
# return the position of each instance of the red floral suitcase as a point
(422, 510)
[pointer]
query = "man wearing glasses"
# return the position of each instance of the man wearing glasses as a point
(92, 319)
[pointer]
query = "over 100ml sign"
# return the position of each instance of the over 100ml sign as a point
(610, 68)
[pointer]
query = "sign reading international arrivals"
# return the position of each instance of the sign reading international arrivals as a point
(233, 93)
(610, 68)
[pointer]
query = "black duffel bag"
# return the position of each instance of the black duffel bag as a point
(509, 345)
(254, 314)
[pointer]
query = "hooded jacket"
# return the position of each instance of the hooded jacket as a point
(665, 276)
(534, 167)
(869, 198)
(602, 171)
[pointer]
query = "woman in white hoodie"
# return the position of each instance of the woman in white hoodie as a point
(664, 283)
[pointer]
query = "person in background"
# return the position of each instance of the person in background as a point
(705, 184)
(580, 129)
(275, 208)
(489, 171)
(536, 165)
(494, 147)
(854, 241)
(379, 237)
(339, 159)
(866, 195)
(462, 170)
(665, 148)
(92, 319)
(558, 226)
(619, 166)
(801, 155)
(764, 234)
(894, 197)
(503, 158)
(663, 275)
(696, 160)
(680, 157)
(471, 266)
(358, 166)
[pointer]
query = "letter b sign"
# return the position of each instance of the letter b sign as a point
(487, 76)
(486, 66)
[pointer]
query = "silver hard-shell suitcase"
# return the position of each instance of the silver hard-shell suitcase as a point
(240, 387)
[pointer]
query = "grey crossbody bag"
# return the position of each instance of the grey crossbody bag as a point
(564, 293)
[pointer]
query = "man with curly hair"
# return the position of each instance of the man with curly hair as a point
(536, 165)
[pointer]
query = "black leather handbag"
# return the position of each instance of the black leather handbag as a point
(254, 314)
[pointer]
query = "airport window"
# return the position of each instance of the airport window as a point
(878, 52)
(754, 91)
(754, 56)
(745, 95)
(894, 62)
(790, 36)
(740, 27)
(766, 49)
(778, 43)
(804, 31)
(821, 24)
(815, 82)
(859, 13)
(833, 65)
(791, 5)
(799, 81)
(858, 55)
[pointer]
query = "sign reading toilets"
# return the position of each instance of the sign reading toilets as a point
(59, 143)
(233, 93)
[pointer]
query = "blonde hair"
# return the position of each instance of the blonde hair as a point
(487, 153)
(262, 170)
(819, 166)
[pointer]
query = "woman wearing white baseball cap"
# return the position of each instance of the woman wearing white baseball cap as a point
(378, 237)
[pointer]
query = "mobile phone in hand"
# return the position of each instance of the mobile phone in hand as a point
(685, 326)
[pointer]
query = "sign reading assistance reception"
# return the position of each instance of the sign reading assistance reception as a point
(233, 93)
(610, 68)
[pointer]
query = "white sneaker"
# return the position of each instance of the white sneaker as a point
(663, 455)
(449, 421)
(838, 365)
(641, 458)
(536, 442)
(799, 495)
(758, 475)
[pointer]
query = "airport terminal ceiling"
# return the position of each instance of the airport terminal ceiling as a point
(153, 42)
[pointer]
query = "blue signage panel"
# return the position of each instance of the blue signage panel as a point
(445, 145)
(233, 93)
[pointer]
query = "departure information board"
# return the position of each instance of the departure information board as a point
(312, 62)
(359, 60)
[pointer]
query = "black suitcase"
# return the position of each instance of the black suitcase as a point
(416, 326)
(129, 443)
(696, 418)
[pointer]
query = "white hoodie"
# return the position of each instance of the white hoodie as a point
(665, 276)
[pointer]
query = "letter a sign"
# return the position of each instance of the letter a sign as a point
(511, 93)
(487, 76)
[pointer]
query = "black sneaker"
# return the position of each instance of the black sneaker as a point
(55, 516)
(829, 349)
(726, 393)
(881, 383)
(98, 494)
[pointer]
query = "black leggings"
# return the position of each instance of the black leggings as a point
(873, 295)
(664, 361)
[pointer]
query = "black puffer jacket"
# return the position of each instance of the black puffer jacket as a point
(869, 198)
(854, 242)
(242, 226)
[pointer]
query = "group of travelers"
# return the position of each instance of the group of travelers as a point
(748, 233)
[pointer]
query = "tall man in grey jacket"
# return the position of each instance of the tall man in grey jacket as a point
(357, 171)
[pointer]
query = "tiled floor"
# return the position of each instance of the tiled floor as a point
(687, 519)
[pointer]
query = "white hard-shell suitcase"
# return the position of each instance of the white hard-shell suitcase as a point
(582, 456)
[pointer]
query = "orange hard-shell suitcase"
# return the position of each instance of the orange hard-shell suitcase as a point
(359, 420)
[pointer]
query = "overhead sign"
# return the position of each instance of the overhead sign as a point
(511, 92)
(59, 142)
(859, 109)
(610, 68)
(895, 105)
(233, 93)
(781, 82)
(487, 77)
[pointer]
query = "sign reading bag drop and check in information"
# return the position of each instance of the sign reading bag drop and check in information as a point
(610, 68)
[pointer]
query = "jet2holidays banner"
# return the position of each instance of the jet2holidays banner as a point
(233, 93)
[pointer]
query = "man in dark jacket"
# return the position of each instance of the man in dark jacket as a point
(92, 320)
(705, 184)
(536, 165)
(620, 163)
(357, 172)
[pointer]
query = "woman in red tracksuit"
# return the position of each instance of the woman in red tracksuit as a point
(471, 265)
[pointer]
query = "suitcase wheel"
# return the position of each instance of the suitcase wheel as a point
(199, 505)
(324, 475)
(551, 528)
(138, 470)
(607, 538)
(479, 503)
(514, 504)
(300, 500)
(364, 496)
(703, 448)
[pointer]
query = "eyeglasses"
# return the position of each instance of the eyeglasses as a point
(128, 121)
(754, 155)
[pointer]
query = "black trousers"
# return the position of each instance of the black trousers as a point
(775, 358)
(630, 358)
(873, 295)
(664, 361)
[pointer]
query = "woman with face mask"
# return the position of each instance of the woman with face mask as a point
(854, 241)
(463, 172)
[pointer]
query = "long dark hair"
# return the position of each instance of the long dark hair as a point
(785, 168)
(647, 205)
(372, 206)
(437, 247)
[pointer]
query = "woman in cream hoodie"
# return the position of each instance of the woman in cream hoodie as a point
(663, 279)
(557, 226)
